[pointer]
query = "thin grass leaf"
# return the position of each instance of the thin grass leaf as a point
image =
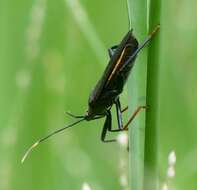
(151, 135)
(137, 93)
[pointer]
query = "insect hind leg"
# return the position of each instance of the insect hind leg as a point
(136, 112)
(139, 108)
(108, 124)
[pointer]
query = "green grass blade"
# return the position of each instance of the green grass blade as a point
(137, 93)
(151, 135)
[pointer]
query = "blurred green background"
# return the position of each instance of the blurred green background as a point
(52, 53)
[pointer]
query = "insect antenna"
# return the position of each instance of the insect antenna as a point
(46, 137)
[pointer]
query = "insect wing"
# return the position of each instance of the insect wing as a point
(117, 59)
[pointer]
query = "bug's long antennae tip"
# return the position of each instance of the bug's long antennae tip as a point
(29, 151)
(50, 135)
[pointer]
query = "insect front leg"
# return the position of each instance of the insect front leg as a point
(107, 127)
(74, 116)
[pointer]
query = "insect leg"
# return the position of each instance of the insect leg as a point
(141, 46)
(119, 117)
(119, 113)
(133, 116)
(124, 109)
(74, 116)
(125, 128)
(106, 127)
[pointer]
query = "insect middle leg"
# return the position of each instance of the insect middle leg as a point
(108, 124)
(124, 109)
(125, 128)
(119, 114)
(107, 127)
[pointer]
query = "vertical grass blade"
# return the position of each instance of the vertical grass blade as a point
(137, 93)
(151, 134)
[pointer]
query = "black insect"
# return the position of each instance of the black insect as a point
(109, 87)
